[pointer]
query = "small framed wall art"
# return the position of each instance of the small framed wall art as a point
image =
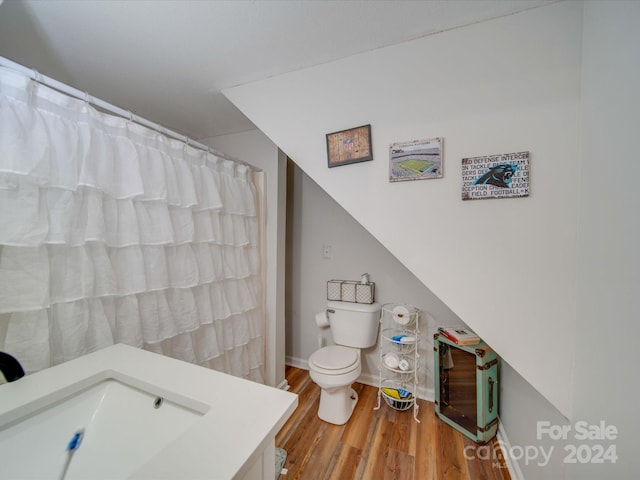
(349, 146)
(495, 176)
(415, 160)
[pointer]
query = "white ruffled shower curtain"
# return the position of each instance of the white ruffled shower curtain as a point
(113, 233)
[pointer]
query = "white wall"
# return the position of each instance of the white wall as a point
(506, 267)
(315, 220)
(255, 148)
(521, 408)
(606, 386)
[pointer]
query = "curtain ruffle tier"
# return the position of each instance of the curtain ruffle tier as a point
(111, 232)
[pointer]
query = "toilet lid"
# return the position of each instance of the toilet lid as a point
(334, 357)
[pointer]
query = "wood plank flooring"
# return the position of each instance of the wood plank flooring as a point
(379, 444)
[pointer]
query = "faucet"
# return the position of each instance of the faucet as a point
(10, 367)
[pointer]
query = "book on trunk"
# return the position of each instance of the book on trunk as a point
(460, 335)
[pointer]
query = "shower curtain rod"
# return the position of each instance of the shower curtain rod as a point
(127, 114)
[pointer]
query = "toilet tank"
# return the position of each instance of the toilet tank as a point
(354, 324)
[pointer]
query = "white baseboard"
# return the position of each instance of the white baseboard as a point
(284, 385)
(512, 464)
(423, 393)
(297, 362)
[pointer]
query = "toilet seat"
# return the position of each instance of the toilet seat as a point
(334, 360)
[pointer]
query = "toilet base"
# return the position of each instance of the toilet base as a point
(337, 404)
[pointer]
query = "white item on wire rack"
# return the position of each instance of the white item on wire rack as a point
(401, 315)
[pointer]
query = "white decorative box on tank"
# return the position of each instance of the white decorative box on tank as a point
(351, 291)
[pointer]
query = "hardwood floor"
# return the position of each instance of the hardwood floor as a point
(379, 444)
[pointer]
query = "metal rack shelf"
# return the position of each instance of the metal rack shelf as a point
(399, 354)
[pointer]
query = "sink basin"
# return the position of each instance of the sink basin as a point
(142, 416)
(124, 427)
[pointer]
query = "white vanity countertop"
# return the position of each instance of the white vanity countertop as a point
(240, 417)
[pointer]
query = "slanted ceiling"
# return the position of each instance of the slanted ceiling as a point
(506, 267)
(168, 60)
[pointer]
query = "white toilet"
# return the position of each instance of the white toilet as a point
(334, 368)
